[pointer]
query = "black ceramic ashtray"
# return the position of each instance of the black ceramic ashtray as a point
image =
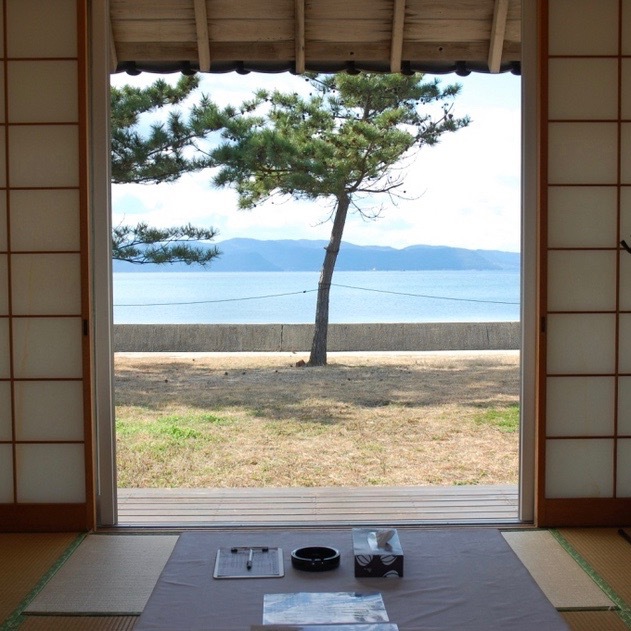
(315, 559)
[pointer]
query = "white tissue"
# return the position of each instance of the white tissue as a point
(383, 536)
(378, 539)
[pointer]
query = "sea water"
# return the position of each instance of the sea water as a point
(290, 297)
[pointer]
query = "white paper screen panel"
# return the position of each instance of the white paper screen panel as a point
(3, 224)
(3, 157)
(583, 89)
(624, 406)
(49, 410)
(47, 348)
(625, 280)
(5, 357)
(583, 27)
(50, 473)
(58, 166)
(2, 91)
(625, 153)
(45, 220)
(581, 343)
(583, 217)
(4, 285)
(624, 343)
(624, 470)
(6, 431)
(625, 212)
(28, 80)
(41, 28)
(6, 474)
(582, 153)
(626, 27)
(625, 88)
(49, 284)
(582, 280)
(580, 406)
(579, 468)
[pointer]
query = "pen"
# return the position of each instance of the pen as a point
(248, 565)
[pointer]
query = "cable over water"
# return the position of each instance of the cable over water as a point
(208, 302)
(308, 291)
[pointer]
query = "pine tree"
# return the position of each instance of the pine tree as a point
(163, 151)
(342, 143)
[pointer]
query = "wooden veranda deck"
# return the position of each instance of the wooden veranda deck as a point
(318, 506)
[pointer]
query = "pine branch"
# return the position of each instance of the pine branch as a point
(142, 244)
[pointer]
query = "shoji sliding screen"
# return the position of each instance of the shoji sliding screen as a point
(585, 370)
(45, 438)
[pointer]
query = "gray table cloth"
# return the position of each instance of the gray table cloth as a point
(460, 578)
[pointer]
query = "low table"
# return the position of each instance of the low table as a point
(467, 578)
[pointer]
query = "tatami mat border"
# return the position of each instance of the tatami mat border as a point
(624, 608)
(16, 619)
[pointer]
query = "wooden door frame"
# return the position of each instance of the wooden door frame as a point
(103, 407)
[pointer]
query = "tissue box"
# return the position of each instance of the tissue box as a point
(372, 561)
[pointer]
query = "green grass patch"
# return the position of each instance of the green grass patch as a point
(505, 419)
(175, 427)
(174, 431)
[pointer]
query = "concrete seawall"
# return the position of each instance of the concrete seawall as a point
(208, 338)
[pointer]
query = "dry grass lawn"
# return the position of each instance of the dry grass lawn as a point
(251, 420)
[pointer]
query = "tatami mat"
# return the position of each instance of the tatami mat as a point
(594, 621)
(78, 623)
(107, 574)
(608, 553)
(24, 560)
(562, 580)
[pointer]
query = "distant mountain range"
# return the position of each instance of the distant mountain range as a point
(254, 255)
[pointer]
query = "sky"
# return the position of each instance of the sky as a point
(465, 191)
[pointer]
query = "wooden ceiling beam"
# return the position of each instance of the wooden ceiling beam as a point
(298, 33)
(299, 36)
(498, 32)
(396, 45)
(203, 41)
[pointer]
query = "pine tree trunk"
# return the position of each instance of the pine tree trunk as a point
(320, 333)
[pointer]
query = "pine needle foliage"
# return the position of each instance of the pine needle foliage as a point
(345, 142)
(144, 244)
(168, 147)
(145, 152)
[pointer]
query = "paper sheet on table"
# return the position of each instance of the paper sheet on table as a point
(323, 608)
(377, 626)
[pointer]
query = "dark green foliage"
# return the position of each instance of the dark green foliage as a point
(160, 152)
(169, 148)
(144, 244)
(345, 142)
(343, 138)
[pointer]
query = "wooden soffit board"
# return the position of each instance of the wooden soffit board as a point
(437, 36)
